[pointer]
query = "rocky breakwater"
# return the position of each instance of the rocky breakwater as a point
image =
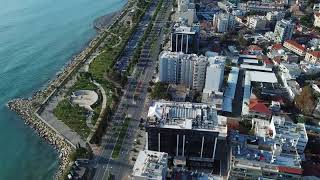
(25, 108)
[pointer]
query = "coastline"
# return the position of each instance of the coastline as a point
(29, 108)
(104, 21)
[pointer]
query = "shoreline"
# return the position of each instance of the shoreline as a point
(29, 108)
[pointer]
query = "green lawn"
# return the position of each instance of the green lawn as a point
(97, 111)
(73, 116)
(82, 83)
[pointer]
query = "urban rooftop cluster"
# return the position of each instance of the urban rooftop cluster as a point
(242, 86)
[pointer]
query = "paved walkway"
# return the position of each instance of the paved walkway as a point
(89, 121)
(47, 115)
(104, 100)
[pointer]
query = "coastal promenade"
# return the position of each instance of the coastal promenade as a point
(30, 109)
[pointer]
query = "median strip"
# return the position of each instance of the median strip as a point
(122, 134)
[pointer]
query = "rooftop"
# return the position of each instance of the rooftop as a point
(315, 53)
(150, 164)
(263, 128)
(186, 115)
(277, 47)
(295, 44)
(255, 67)
(232, 82)
(289, 133)
(230, 91)
(250, 61)
(184, 29)
(266, 77)
(254, 47)
(259, 107)
(257, 152)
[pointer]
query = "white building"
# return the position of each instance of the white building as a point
(169, 66)
(290, 71)
(295, 47)
(283, 30)
(316, 7)
(214, 75)
(294, 135)
(316, 22)
(186, 69)
(255, 157)
(223, 22)
(261, 6)
(314, 43)
(312, 57)
(225, 5)
(309, 68)
(257, 22)
(193, 71)
(186, 11)
(275, 16)
(150, 165)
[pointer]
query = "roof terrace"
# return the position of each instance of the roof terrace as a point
(186, 115)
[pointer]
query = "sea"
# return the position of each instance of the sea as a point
(37, 38)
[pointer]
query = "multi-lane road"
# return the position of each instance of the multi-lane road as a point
(133, 100)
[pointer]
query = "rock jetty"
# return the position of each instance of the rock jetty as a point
(24, 108)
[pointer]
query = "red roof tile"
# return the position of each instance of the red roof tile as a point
(277, 59)
(277, 47)
(290, 170)
(295, 44)
(315, 54)
(256, 106)
(254, 48)
(266, 60)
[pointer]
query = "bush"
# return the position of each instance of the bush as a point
(306, 100)
(160, 91)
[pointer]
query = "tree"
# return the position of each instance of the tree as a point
(300, 118)
(160, 91)
(307, 20)
(306, 100)
(242, 41)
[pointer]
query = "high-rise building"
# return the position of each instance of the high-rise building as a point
(186, 69)
(223, 22)
(259, 6)
(257, 22)
(275, 16)
(192, 134)
(283, 30)
(186, 11)
(185, 38)
(169, 66)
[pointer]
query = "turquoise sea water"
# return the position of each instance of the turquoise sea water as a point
(37, 37)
